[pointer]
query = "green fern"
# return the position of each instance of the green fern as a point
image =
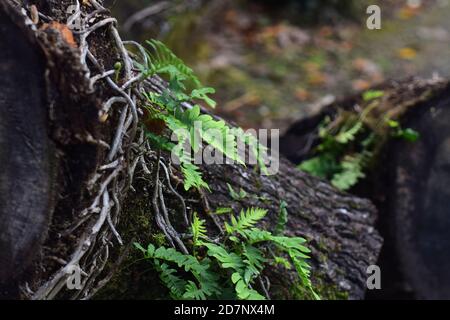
(333, 161)
(194, 292)
(254, 261)
(246, 219)
(198, 230)
(200, 270)
(161, 60)
(169, 277)
(243, 291)
(244, 260)
(282, 219)
(238, 196)
(351, 171)
(227, 260)
(193, 177)
(168, 106)
(347, 134)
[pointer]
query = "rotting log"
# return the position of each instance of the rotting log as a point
(106, 175)
(407, 182)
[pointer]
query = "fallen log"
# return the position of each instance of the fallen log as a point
(107, 174)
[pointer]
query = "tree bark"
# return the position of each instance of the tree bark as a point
(104, 199)
(27, 154)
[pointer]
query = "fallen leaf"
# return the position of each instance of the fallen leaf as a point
(360, 84)
(302, 94)
(366, 66)
(317, 78)
(407, 53)
(64, 30)
(406, 13)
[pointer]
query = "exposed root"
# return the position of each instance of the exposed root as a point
(114, 177)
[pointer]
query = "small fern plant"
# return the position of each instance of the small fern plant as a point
(189, 125)
(350, 142)
(341, 157)
(230, 269)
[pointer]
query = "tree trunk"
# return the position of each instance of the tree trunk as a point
(105, 174)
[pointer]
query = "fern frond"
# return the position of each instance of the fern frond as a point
(194, 292)
(174, 283)
(198, 230)
(161, 60)
(246, 220)
(346, 135)
(282, 261)
(351, 172)
(202, 94)
(257, 149)
(228, 260)
(193, 177)
(282, 219)
(243, 291)
(254, 261)
(159, 141)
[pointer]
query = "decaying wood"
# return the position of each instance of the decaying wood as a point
(105, 163)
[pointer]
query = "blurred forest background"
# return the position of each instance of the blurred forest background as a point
(273, 62)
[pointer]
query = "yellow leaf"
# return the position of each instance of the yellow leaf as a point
(407, 53)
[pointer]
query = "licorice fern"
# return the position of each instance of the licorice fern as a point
(350, 142)
(198, 231)
(230, 268)
(190, 126)
(333, 160)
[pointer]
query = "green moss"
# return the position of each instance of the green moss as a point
(324, 290)
(134, 274)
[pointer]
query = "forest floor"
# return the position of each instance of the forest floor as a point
(270, 69)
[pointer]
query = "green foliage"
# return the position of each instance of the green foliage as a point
(236, 195)
(407, 134)
(192, 176)
(190, 126)
(282, 219)
(372, 94)
(223, 210)
(161, 60)
(350, 142)
(247, 219)
(179, 288)
(198, 230)
(351, 171)
(230, 268)
(334, 161)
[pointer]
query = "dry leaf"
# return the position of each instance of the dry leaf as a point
(360, 84)
(302, 94)
(407, 53)
(63, 29)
